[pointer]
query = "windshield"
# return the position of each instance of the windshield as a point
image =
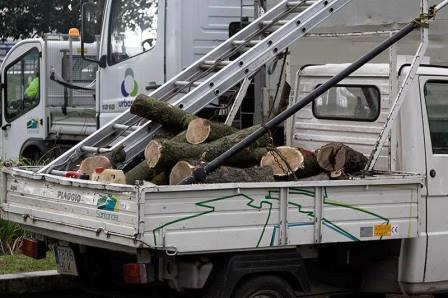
(133, 28)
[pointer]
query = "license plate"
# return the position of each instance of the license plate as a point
(65, 261)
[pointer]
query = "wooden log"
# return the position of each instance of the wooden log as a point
(180, 138)
(160, 179)
(202, 130)
(140, 172)
(224, 174)
(171, 117)
(310, 165)
(89, 164)
(110, 176)
(284, 161)
(164, 154)
(181, 170)
(334, 157)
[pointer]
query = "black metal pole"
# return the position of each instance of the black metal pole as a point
(200, 173)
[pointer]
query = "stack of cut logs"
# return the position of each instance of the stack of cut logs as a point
(189, 141)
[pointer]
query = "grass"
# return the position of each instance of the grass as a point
(20, 263)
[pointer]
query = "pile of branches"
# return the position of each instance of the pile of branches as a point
(189, 141)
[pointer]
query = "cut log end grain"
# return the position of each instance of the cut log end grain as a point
(89, 164)
(335, 157)
(198, 131)
(183, 169)
(153, 153)
(277, 161)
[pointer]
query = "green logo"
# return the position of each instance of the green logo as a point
(32, 124)
(107, 203)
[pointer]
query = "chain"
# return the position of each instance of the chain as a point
(276, 154)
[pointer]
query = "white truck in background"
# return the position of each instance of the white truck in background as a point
(383, 231)
(55, 114)
(137, 63)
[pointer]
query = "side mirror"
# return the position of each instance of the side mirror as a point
(88, 29)
(88, 22)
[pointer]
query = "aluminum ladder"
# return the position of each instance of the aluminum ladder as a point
(208, 78)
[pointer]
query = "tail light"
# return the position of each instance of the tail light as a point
(135, 274)
(34, 249)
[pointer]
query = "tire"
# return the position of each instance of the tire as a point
(266, 286)
(32, 153)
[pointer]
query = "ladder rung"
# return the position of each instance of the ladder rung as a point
(281, 22)
(248, 43)
(212, 62)
(186, 83)
(209, 63)
(91, 149)
(295, 3)
(125, 127)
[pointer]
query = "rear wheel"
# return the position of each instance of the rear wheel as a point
(266, 286)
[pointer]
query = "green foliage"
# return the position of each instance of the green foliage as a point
(29, 18)
(11, 236)
(20, 263)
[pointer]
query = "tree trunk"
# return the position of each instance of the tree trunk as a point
(202, 130)
(110, 176)
(184, 169)
(302, 162)
(284, 161)
(140, 172)
(168, 116)
(310, 165)
(89, 165)
(164, 154)
(335, 157)
(160, 179)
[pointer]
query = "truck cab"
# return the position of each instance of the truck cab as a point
(354, 112)
(142, 50)
(37, 111)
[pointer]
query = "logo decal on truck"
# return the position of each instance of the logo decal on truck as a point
(129, 86)
(33, 125)
(106, 205)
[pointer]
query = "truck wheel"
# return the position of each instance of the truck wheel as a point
(266, 286)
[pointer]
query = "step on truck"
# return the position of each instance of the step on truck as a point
(378, 231)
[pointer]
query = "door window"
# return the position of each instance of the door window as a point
(133, 28)
(436, 93)
(22, 85)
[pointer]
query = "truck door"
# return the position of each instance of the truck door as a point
(23, 100)
(135, 54)
(434, 96)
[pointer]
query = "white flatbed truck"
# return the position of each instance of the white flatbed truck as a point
(270, 239)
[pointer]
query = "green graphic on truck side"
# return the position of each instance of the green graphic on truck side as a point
(273, 195)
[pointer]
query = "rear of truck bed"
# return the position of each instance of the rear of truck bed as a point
(215, 217)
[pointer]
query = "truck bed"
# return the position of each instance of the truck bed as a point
(213, 217)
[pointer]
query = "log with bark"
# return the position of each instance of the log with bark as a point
(202, 130)
(340, 159)
(164, 154)
(310, 165)
(178, 120)
(140, 172)
(224, 174)
(90, 164)
(301, 161)
(161, 112)
(284, 161)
